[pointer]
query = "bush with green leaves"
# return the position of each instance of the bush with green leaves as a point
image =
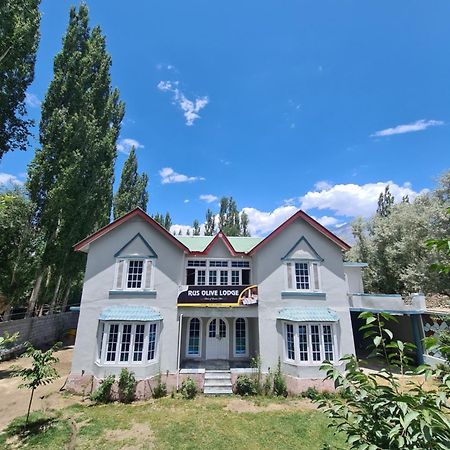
(188, 388)
(160, 390)
(246, 386)
(127, 386)
(268, 383)
(103, 394)
(279, 382)
(376, 411)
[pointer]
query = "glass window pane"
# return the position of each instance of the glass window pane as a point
(212, 328)
(213, 277)
(194, 337)
(125, 342)
(303, 342)
(235, 277)
(134, 277)
(224, 277)
(240, 337)
(315, 342)
(151, 342)
(201, 277)
(290, 341)
(222, 329)
(112, 342)
(302, 275)
(138, 342)
(328, 342)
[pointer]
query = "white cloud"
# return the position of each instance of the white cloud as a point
(190, 108)
(352, 199)
(322, 185)
(329, 221)
(7, 178)
(124, 145)
(419, 125)
(208, 198)
(263, 222)
(32, 100)
(169, 176)
(186, 200)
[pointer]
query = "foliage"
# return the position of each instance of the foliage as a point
(132, 191)
(313, 394)
(41, 371)
(19, 39)
(127, 386)
(279, 382)
(394, 244)
(164, 220)
(385, 202)
(6, 341)
(246, 386)
(196, 228)
(103, 393)
(188, 388)
(255, 364)
(267, 387)
(20, 246)
(376, 412)
(72, 173)
(160, 390)
(442, 246)
(210, 224)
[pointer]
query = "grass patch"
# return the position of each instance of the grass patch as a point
(168, 423)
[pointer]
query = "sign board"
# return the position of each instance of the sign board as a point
(218, 296)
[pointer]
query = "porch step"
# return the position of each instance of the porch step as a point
(218, 382)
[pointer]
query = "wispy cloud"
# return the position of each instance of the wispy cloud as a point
(419, 125)
(7, 178)
(208, 198)
(169, 176)
(125, 145)
(32, 100)
(190, 108)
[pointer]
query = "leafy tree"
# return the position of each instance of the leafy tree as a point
(6, 340)
(40, 373)
(244, 224)
(375, 411)
(196, 228)
(71, 176)
(179, 232)
(164, 220)
(210, 225)
(132, 190)
(385, 202)
(19, 39)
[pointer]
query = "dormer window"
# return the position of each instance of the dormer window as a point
(134, 274)
(303, 276)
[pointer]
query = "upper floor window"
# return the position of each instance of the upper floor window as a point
(218, 272)
(134, 274)
(303, 276)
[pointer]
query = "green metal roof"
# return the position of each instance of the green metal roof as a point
(199, 243)
(308, 315)
(130, 313)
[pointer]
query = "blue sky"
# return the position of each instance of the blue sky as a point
(282, 105)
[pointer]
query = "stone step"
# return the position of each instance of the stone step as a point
(217, 375)
(217, 390)
(218, 382)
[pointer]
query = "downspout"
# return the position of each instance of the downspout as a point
(179, 350)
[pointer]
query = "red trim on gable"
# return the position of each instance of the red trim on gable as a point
(308, 219)
(135, 212)
(223, 237)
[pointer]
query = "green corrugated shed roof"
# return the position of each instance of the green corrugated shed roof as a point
(308, 315)
(199, 243)
(130, 312)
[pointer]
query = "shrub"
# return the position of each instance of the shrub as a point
(127, 386)
(103, 393)
(246, 386)
(188, 388)
(313, 394)
(160, 390)
(279, 382)
(268, 384)
(255, 364)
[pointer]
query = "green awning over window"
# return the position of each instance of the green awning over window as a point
(308, 315)
(130, 314)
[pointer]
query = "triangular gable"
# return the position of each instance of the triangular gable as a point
(136, 246)
(219, 237)
(302, 250)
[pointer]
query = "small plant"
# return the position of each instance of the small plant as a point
(103, 393)
(312, 393)
(188, 388)
(127, 386)
(255, 364)
(6, 340)
(40, 373)
(160, 390)
(268, 384)
(279, 382)
(246, 386)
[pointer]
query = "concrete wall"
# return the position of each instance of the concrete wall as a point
(354, 280)
(40, 331)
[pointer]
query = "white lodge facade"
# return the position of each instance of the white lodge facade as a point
(181, 306)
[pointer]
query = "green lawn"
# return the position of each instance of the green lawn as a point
(203, 423)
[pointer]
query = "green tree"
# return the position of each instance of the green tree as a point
(40, 373)
(385, 202)
(132, 192)
(19, 39)
(71, 176)
(244, 224)
(196, 228)
(164, 220)
(210, 226)
(167, 221)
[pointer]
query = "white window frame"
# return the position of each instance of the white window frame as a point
(188, 328)
(208, 268)
(102, 343)
(290, 265)
(235, 354)
(124, 281)
(310, 362)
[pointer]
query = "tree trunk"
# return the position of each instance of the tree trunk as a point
(55, 295)
(7, 313)
(35, 293)
(29, 407)
(66, 296)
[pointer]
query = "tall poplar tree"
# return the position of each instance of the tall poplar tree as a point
(19, 38)
(132, 190)
(210, 226)
(71, 176)
(196, 228)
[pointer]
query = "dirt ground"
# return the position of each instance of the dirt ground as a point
(14, 401)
